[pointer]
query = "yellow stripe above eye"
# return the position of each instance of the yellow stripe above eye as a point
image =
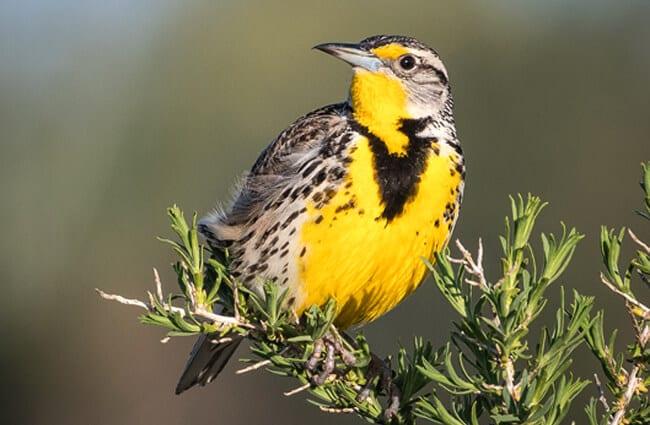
(390, 51)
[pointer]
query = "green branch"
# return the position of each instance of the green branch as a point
(489, 370)
(627, 374)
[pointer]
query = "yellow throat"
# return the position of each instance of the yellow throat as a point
(379, 103)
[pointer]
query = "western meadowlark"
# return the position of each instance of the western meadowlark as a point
(345, 202)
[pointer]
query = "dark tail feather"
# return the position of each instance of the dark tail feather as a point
(206, 361)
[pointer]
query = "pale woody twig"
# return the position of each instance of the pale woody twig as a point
(152, 299)
(601, 393)
(642, 338)
(632, 383)
(336, 410)
(126, 301)
(474, 268)
(645, 335)
(628, 298)
(191, 293)
(159, 291)
(200, 312)
(253, 367)
(492, 387)
(218, 318)
(513, 389)
(638, 241)
(297, 390)
(196, 310)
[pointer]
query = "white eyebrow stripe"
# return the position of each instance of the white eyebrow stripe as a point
(432, 60)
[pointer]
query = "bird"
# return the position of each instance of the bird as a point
(346, 202)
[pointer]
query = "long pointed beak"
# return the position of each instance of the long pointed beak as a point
(352, 54)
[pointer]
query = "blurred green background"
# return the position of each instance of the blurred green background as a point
(111, 111)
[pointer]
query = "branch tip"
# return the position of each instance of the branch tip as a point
(297, 390)
(253, 367)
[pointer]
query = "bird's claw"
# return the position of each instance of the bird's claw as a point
(332, 346)
(314, 359)
(322, 363)
(394, 396)
(380, 371)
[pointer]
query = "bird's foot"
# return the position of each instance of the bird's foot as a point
(330, 345)
(380, 379)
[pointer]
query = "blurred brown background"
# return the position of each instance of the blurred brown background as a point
(111, 111)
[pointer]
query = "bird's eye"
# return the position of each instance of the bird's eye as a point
(407, 62)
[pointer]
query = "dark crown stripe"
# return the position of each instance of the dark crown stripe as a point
(382, 40)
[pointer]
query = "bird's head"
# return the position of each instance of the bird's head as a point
(395, 77)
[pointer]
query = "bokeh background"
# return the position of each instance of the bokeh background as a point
(111, 111)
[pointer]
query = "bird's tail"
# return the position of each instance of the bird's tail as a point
(207, 360)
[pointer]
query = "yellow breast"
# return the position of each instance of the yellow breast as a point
(361, 259)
